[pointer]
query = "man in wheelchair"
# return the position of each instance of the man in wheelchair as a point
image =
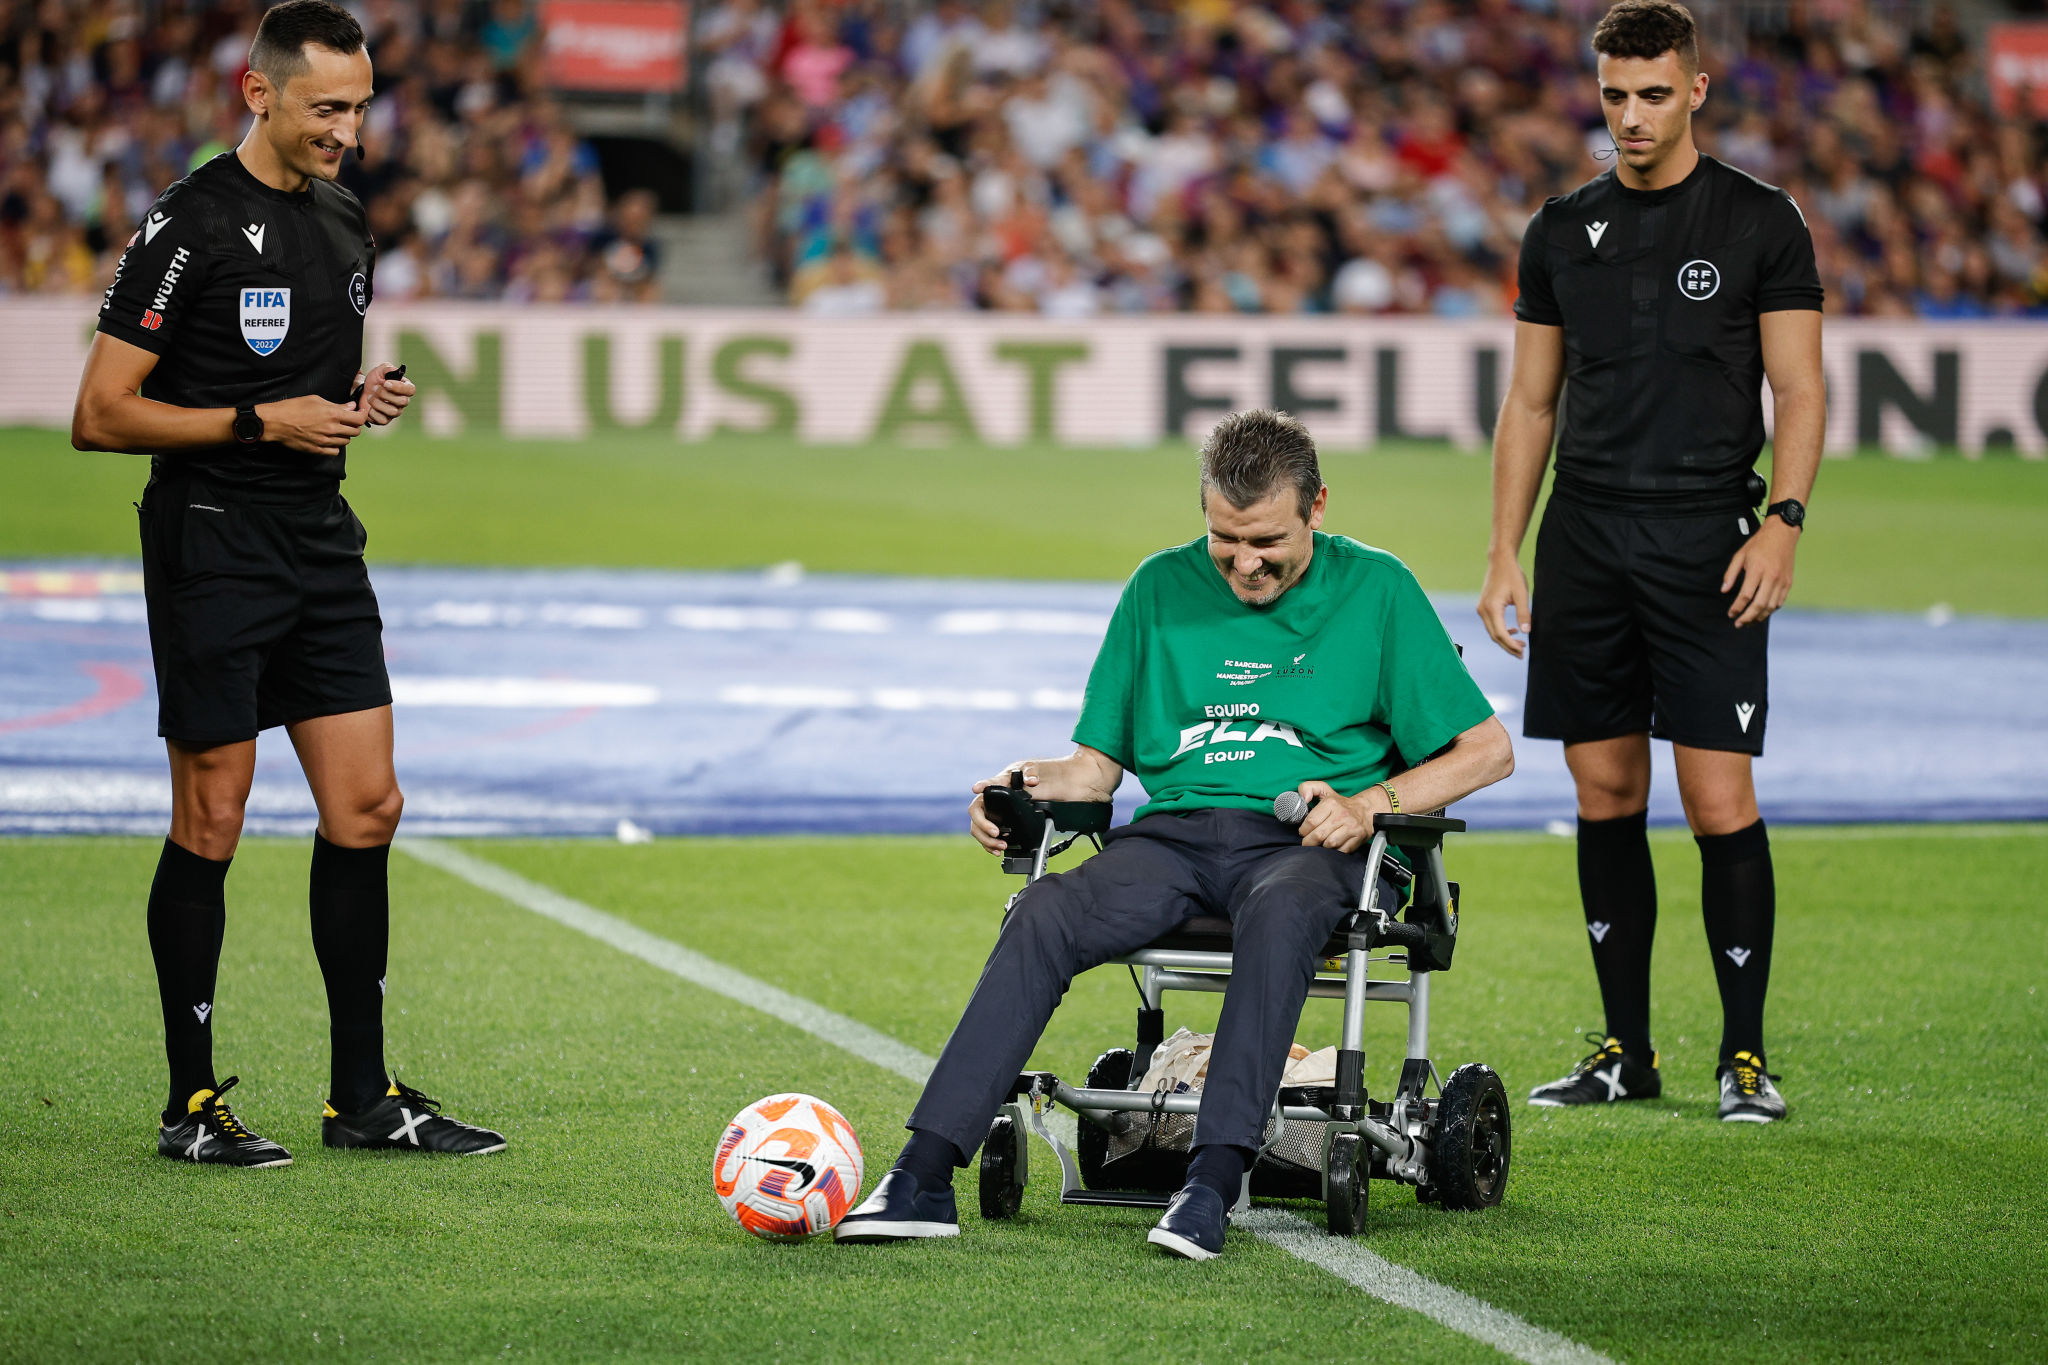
(1261, 658)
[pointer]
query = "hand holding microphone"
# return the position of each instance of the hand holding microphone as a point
(1289, 808)
(1326, 819)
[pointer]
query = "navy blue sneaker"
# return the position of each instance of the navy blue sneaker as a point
(1193, 1224)
(898, 1210)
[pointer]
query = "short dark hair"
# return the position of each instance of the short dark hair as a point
(279, 51)
(1251, 455)
(1648, 29)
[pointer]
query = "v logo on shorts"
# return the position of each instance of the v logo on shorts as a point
(1743, 711)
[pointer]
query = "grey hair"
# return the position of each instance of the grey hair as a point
(1253, 454)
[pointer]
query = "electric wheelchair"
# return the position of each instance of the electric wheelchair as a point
(1326, 1142)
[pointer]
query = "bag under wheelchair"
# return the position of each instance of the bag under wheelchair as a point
(1324, 1142)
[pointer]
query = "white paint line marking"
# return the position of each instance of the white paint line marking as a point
(518, 693)
(1348, 1260)
(836, 1029)
(1354, 1262)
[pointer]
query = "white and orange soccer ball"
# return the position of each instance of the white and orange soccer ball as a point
(788, 1166)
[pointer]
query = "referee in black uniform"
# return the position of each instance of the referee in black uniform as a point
(227, 352)
(1657, 297)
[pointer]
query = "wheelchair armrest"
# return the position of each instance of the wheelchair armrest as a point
(1416, 831)
(1079, 817)
(1025, 824)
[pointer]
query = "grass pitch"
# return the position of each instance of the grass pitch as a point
(1896, 534)
(1897, 1215)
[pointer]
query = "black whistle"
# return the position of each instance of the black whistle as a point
(356, 394)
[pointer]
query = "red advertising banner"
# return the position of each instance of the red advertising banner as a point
(635, 45)
(2016, 60)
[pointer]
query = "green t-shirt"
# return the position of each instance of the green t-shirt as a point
(1347, 678)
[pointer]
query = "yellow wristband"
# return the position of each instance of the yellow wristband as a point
(1393, 797)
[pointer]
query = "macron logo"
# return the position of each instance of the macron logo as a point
(1743, 711)
(1595, 231)
(202, 1010)
(1598, 929)
(1739, 956)
(254, 232)
(157, 223)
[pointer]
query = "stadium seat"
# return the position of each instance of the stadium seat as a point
(1325, 1141)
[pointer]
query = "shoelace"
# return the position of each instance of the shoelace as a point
(1602, 1049)
(1749, 1078)
(432, 1106)
(415, 1098)
(217, 1112)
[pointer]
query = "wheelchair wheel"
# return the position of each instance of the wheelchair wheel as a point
(1349, 1185)
(1112, 1071)
(1473, 1139)
(1002, 1186)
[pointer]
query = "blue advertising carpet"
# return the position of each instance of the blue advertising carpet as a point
(549, 702)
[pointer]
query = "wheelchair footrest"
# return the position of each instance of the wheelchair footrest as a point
(1124, 1199)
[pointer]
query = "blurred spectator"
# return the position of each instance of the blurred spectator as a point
(1378, 157)
(1366, 158)
(476, 184)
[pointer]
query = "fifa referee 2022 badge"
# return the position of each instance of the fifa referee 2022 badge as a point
(1656, 298)
(228, 352)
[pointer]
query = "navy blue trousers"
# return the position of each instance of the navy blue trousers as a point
(1282, 900)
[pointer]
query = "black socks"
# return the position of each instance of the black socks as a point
(1221, 1167)
(1619, 891)
(351, 905)
(187, 917)
(1739, 900)
(930, 1158)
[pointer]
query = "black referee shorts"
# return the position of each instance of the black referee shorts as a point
(258, 615)
(1632, 632)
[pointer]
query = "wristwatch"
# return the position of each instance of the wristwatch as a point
(1791, 511)
(248, 426)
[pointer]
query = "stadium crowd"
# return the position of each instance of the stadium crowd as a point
(1367, 158)
(476, 185)
(1065, 158)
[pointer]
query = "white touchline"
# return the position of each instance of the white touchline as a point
(656, 951)
(1352, 1260)
(1348, 1260)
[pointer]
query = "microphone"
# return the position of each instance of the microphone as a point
(1290, 809)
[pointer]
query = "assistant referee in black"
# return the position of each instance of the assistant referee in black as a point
(228, 352)
(1657, 297)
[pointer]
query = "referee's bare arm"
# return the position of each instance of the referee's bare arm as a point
(1799, 407)
(1521, 448)
(112, 414)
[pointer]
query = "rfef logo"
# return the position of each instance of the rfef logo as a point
(359, 293)
(266, 317)
(1698, 280)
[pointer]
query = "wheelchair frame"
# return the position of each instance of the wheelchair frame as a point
(1454, 1149)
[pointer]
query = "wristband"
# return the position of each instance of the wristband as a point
(1393, 797)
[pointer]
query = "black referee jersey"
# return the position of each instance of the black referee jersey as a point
(247, 294)
(1658, 293)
